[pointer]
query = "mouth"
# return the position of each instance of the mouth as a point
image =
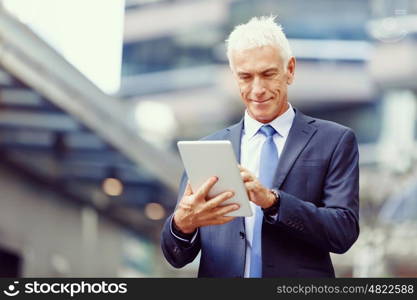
(261, 101)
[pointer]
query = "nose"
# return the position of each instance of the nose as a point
(258, 88)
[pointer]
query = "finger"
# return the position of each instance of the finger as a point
(246, 172)
(246, 176)
(188, 190)
(216, 201)
(205, 188)
(251, 186)
(241, 168)
(218, 221)
(223, 210)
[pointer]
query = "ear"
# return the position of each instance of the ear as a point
(291, 70)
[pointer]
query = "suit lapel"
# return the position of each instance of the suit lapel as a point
(298, 137)
(234, 135)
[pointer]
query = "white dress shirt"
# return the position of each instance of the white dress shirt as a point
(250, 151)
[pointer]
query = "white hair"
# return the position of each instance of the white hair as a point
(258, 32)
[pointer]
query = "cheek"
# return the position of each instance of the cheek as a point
(278, 87)
(244, 89)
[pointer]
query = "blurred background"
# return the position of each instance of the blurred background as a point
(94, 95)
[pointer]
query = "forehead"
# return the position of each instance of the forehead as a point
(257, 59)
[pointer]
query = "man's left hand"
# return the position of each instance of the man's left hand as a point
(257, 193)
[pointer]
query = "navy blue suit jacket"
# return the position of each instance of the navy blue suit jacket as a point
(318, 181)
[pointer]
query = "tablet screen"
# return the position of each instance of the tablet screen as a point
(204, 159)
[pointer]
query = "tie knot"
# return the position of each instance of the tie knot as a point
(267, 130)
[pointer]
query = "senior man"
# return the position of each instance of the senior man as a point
(301, 175)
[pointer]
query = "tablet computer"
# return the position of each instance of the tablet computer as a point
(204, 159)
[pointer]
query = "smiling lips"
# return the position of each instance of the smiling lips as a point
(261, 101)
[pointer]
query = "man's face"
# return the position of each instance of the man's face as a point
(263, 80)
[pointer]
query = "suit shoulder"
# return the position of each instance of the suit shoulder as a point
(222, 133)
(334, 134)
(331, 127)
(218, 135)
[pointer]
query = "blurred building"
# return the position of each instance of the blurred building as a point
(112, 158)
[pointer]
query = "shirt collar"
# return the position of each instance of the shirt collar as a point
(282, 124)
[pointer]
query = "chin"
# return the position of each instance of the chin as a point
(262, 118)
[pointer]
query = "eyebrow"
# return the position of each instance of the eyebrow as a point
(270, 70)
(243, 73)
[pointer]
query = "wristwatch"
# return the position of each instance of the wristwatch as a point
(273, 209)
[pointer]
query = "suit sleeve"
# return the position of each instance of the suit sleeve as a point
(178, 252)
(335, 226)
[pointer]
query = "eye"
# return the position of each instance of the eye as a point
(244, 76)
(270, 74)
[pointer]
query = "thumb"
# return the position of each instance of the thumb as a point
(188, 190)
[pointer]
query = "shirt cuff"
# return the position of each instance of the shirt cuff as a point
(271, 219)
(176, 234)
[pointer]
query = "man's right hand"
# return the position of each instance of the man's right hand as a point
(195, 209)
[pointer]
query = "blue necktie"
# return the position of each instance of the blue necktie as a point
(267, 167)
